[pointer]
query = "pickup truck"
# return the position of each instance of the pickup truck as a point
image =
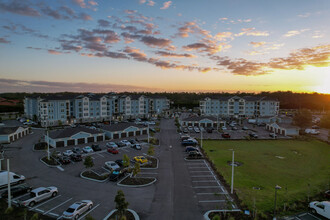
(38, 195)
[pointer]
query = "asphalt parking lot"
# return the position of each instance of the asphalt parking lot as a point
(306, 216)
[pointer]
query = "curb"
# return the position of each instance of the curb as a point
(52, 166)
(136, 216)
(200, 159)
(136, 186)
(150, 168)
(206, 215)
(87, 178)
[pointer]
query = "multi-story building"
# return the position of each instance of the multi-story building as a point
(65, 109)
(235, 106)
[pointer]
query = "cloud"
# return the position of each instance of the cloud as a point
(174, 55)
(12, 85)
(103, 23)
(142, 1)
(84, 16)
(258, 44)
(55, 52)
(90, 4)
(156, 42)
(4, 41)
(81, 3)
(151, 3)
(130, 11)
(306, 15)
(252, 32)
(19, 7)
(318, 34)
(166, 5)
(202, 47)
(136, 54)
(294, 32)
(318, 56)
(20, 29)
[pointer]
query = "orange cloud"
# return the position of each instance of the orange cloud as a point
(294, 33)
(252, 32)
(174, 55)
(166, 5)
(258, 44)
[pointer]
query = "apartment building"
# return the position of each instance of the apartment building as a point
(235, 106)
(66, 109)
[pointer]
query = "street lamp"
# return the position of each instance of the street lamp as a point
(232, 173)
(276, 188)
(46, 118)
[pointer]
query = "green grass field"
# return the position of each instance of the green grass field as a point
(301, 168)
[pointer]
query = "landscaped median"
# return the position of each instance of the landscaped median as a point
(152, 163)
(130, 181)
(300, 167)
(52, 162)
(91, 175)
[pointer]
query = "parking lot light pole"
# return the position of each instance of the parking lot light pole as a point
(9, 192)
(276, 188)
(148, 133)
(232, 174)
(201, 138)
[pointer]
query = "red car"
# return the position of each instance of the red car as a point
(225, 135)
(113, 150)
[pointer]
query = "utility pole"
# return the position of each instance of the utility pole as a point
(148, 133)
(217, 122)
(9, 192)
(201, 138)
(232, 174)
(48, 157)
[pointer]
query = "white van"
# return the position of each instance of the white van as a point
(321, 208)
(14, 178)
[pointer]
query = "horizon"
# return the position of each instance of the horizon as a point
(165, 46)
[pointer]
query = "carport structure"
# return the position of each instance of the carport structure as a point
(10, 134)
(124, 130)
(202, 121)
(74, 136)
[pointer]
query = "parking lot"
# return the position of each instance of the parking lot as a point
(306, 216)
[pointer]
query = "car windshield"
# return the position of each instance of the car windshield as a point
(70, 210)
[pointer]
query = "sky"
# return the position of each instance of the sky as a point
(157, 45)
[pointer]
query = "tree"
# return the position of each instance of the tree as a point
(151, 150)
(303, 118)
(325, 121)
(126, 161)
(35, 216)
(121, 204)
(136, 169)
(88, 162)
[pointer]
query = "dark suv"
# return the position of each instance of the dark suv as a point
(96, 147)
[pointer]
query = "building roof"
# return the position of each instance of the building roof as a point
(68, 132)
(8, 130)
(284, 125)
(121, 126)
(198, 118)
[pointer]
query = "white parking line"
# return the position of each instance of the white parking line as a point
(199, 171)
(197, 167)
(203, 181)
(100, 155)
(125, 150)
(313, 216)
(57, 206)
(39, 210)
(88, 212)
(205, 187)
(60, 168)
(148, 173)
(203, 176)
(213, 201)
(53, 214)
(45, 202)
(213, 193)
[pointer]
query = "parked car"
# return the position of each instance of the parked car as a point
(253, 135)
(57, 154)
(77, 209)
(111, 144)
(77, 150)
(209, 130)
(111, 165)
(225, 135)
(17, 191)
(272, 135)
(113, 150)
(195, 155)
(224, 128)
(245, 128)
(67, 153)
(132, 141)
(38, 195)
(185, 130)
(234, 128)
(13, 177)
(140, 159)
(137, 146)
(190, 148)
(64, 160)
(76, 157)
(126, 142)
(196, 129)
(120, 144)
(117, 174)
(119, 162)
(321, 208)
(88, 149)
(189, 142)
(327, 194)
(96, 147)
(184, 137)
(190, 128)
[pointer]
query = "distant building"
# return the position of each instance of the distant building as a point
(10, 134)
(283, 129)
(235, 106)
(202, 121)
(54, 110)
(124, 130)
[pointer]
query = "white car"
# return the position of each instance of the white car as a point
(196, 129)
(67, 153)
(224, 128)
(88, 149)
(126, 142)
(77, 209)
(321, 208)
(111, 165)
(111, 144)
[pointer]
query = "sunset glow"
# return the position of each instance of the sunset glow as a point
(133, 45)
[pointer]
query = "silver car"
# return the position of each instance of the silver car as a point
(77, 209)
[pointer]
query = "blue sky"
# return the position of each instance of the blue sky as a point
(144, 45)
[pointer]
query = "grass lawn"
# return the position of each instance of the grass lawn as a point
(299, 167)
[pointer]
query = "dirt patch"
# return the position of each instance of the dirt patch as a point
(51, 161)
(136, 181)
(92, 175)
